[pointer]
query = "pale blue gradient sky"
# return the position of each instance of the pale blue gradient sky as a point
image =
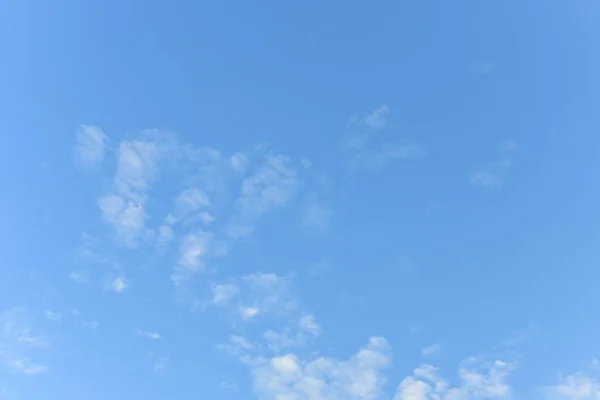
(199, 200)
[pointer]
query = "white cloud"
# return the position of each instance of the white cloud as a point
(306, 330)
(206, 217)
(490, 175)
(118, 285)
(149, 335)
(367, 151)
(262, 295)
(290, 377)
(237, 346)
(223, 293)
(93, 325)
(52, 316)
(20, 342)
(267, 293)
(90, 143)
(309, 325)
(378, 118)
(193, 249)
(583, 385)
(431, 350)
(272, 185)
(189, 201)
(249, 312)
(27, 367)
(477, 381)
(138, 163)
(128, 217)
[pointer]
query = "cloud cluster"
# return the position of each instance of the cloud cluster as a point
(216, 200)
(477, 381)
(220, 199)
(290, 377)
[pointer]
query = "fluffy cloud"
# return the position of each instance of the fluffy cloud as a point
(118, 285)
(138, 166)
(583, 385)
(291, 377)
(477, 381)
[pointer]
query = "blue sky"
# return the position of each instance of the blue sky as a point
(389, 200)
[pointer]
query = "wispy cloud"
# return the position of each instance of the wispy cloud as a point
(316, 215)
(148, 335)
(237, 346)
(160, 364)
(272, 184)
(491, 174)
(93, 325)
(90, 143)
(193, 250)
(306, 330)
(20, 341)
(367, 150)
(239, 162)
(378, 118)
(27, 367)
(138, 166)
(190, 201)
(431, 350)
(223, 293)
(53, 316)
